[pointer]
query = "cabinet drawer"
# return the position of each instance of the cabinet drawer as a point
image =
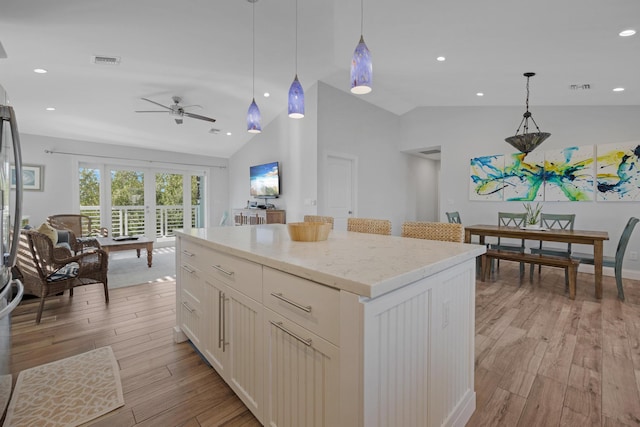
(243, 275)
(311, 305)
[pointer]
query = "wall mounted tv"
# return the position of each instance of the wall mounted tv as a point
(265, 180)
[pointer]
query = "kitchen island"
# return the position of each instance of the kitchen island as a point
(357, 330)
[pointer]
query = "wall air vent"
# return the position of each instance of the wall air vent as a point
(427, 152)
(585, 86)
(105, 60)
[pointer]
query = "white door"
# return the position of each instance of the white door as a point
(340, 184)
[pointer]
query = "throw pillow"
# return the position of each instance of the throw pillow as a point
(49, 231)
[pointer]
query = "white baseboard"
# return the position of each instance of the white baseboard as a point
(608, 271)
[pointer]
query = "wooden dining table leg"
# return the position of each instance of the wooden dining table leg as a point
(597, 266)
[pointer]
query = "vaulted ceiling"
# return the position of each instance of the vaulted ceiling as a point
(201, 51)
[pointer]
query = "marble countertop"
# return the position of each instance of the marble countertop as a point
(365, 264)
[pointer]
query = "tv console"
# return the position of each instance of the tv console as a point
(255, 216)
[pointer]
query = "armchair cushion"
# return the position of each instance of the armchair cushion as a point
(65, 272)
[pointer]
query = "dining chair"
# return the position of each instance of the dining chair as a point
(319, 218)
(443, 231)
(371, 226)
(613, 261)
(453, 217)
(510, 219)
(557, 222)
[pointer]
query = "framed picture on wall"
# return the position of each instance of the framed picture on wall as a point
(32, 177)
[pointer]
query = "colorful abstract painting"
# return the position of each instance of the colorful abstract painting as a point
(618, 172)
(523, 177)
(569, 174)
(486, 178)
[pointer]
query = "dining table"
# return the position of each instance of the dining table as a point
(582, 237)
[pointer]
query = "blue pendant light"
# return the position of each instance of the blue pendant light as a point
(361, 66)
(253, 115)
(296, 93)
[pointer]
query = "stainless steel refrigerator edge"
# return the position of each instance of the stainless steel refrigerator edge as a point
(10, 217)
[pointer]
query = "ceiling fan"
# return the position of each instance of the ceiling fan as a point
(176, 110)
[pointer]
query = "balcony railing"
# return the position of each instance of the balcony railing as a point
(130, 220)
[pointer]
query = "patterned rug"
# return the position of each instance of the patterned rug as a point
(67, 392)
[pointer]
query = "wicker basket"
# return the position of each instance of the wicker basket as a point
(308, 231)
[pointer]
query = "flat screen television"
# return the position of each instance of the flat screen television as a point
(265, 180)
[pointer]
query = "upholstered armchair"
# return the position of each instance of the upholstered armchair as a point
(48, 270)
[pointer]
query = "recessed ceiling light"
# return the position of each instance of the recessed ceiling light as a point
(267, 94)
(50, 109)
(440, 58)
(39, 70)
(618, 89)
(626, 33)
(479, 94)
(228, 133)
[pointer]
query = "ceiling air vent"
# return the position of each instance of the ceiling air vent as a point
(214, 131)
(585, 86)
(105, 60)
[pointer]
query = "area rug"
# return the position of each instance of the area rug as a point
(67, 392)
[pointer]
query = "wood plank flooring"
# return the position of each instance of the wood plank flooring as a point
(541, 359)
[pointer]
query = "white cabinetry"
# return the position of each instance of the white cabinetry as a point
(190, 302)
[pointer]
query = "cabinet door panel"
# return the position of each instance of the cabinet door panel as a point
(190, 304)
(302, 376)
(216, 349)
(244, 331)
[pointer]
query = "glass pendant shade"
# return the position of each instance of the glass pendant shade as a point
(361, 69)
(296, 99)
(253, 118)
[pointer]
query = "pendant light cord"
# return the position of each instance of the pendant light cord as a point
(361, 17)
(253, 58)
(296, 38)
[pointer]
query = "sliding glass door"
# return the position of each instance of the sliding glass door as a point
(142, 201)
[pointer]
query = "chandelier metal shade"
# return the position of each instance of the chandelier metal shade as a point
(253, 114)
(361, 66)
(296, 93)
(526, 142)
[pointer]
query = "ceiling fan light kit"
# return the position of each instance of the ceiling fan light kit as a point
(527, 142)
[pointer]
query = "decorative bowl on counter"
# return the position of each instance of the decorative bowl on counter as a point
(308, 231)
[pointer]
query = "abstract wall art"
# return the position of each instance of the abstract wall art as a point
(524, 177)
(486, 178)
(618, 172)
(569, 174)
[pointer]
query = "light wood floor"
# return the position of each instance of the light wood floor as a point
(541, 359)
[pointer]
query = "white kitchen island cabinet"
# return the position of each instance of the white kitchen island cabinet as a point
(358, 330)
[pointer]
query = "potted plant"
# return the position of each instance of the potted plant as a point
(533, 214)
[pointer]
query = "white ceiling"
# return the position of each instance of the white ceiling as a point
(200, 50)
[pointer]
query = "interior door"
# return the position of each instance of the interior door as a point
(340, 189)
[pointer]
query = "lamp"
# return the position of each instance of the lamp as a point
(253, 115)
(296, 93)
(527, 142)
(361, 67)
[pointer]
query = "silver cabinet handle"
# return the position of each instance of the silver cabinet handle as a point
(305, 341)
(219, 268)
(188, 269)
(281, 297)
(189, 309)
(187, 253)
(220, 317)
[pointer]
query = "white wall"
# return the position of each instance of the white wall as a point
(59, 172)
(422, 188)
(466, 132)
(293, 143)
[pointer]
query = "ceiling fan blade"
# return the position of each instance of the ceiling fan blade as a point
(178, 121)
(154, 102)
(150, 111)
(198, 116)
